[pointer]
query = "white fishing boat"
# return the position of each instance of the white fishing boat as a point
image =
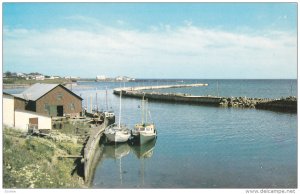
(110, 116)
(117, 133)
(145, 131)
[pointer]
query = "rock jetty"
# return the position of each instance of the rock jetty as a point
(242, 102)
(286, 104)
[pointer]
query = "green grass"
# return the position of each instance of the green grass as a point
(70, 127)
(24, 81)
(32, 162)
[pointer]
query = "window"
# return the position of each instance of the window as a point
(46, 107)
(59, 96)
(72, 106)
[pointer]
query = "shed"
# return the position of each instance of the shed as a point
(22, 119)
(50, 99)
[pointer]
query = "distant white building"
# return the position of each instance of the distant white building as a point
(71, 77)
(100, 77)
(120, 78)
(39, 77)
(124, 78)
(20, 75)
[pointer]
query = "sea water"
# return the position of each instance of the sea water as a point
(201, 146)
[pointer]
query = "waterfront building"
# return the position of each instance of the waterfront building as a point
(22, 119)
(50, 99)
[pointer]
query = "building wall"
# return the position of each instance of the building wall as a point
(22, 120)
(59, 97)
(8, 110)
(20, 104)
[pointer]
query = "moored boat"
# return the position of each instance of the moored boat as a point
(110, 116)
(117, 133)
(145, 131)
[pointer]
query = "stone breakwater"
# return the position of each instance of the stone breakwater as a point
(242, 102)
(288, 104)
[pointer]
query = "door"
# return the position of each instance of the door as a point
(60, 111)
(33, 124)
(53, 110)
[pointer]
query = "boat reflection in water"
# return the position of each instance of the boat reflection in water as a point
(117, 151)
(143, 152)
(130, 160)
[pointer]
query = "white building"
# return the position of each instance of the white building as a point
(21, 119)
(39, 77)
(8, 115)
(100, 77)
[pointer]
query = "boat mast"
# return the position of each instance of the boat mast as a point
(91, 107)
(143, 109)
(146, 111)
(106, 99)
(120, 109)
(96, 101)
(217, 88)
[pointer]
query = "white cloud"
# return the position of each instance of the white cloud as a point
(184, 51)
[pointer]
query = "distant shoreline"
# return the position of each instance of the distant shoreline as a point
(13, 86)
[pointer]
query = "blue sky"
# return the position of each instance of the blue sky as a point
(152, 40)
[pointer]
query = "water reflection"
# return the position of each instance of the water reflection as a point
(142, 152)
(145, 150)
(121, 154)
(116, 151)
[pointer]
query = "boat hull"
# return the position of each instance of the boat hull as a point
(117, 137)
(142, 138)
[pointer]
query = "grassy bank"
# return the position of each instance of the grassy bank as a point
(34, 162)
(29, 82)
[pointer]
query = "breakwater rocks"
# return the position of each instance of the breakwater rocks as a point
(288, 104)
(242, 102)
(171, 97)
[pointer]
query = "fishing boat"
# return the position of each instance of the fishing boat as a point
(109, 115)
(117, 133)
(145, 131)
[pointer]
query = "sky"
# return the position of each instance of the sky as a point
(152, 40)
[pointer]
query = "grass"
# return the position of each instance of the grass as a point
(68, 127)
(29, 82)
(33, 162)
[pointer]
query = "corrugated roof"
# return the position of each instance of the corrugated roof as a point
(36, 91)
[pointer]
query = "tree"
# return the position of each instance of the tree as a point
(8, 74)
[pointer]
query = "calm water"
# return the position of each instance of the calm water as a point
(202, 146)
